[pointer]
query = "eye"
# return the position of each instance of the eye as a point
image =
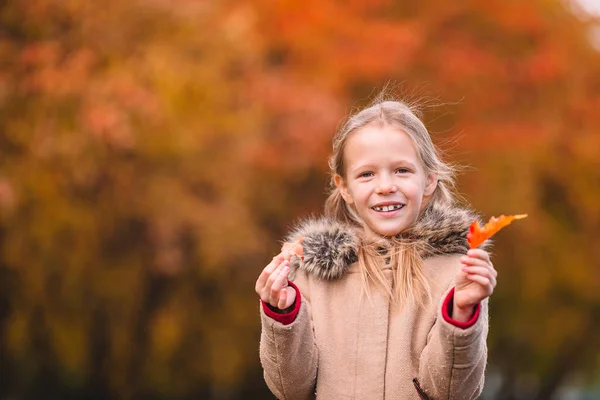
(366, 175)
(403, 170)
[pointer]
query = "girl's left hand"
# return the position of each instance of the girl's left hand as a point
(474, 283)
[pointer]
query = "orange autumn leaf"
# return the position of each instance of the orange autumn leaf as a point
(293, 249)
(477, 234)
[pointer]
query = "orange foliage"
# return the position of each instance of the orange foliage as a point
(139, 140)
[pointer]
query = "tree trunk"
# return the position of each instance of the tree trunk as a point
(98, 387)
(156, 289)
(7, 370)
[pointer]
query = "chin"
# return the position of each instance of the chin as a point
(390, 233)
(386, 231)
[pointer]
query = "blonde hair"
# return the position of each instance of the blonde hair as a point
(409, 282)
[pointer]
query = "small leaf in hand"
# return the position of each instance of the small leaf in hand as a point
(477, 234)
(293, 249)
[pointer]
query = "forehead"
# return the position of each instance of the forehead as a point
(374, 144)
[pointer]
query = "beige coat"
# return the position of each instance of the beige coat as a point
(344, 346)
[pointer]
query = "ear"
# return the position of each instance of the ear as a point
(430, 185)
(341, 185)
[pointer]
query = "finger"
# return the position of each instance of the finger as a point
(265, 291)
(477, 262)
(282, 299)
(275, 274)
(270, 289)
(480, 254)
(481, 271)
(281, 280)
(482, 280)
(268, 270)
(473, 261)
(286, 255)
(262, 279)
(278, 285)
(277, 260)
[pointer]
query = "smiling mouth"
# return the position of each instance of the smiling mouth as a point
(391, 207)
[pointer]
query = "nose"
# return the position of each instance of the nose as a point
(385, 186)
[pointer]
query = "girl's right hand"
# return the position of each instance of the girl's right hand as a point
(272, 284)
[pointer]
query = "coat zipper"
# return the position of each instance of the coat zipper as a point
(421, 392)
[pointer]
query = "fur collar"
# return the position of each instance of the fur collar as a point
(330, 246)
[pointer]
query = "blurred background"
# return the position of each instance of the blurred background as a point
(153, 154)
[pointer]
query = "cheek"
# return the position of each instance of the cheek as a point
(357, 192)
(414, 190)
(363, 198)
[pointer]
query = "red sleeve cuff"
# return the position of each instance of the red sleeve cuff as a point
(287, 318)
(447, 311)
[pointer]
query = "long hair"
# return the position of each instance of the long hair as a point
(410, 283)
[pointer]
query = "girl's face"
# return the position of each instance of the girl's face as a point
(384, 179)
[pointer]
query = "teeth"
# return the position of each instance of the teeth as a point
(388, 208)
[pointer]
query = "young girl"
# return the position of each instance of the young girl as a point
(388, 302)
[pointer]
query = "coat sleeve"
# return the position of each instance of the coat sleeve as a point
(452, 365)
(288, 353)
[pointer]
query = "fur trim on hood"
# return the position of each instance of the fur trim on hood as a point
(330, 246)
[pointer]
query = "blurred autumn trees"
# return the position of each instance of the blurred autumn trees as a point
(153, 153)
